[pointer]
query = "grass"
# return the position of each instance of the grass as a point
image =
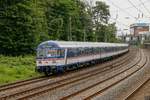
(16, 68)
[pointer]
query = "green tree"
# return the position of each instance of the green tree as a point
(111, 30)
(68, 20)
(100, 16)
(58, 14)
(26, 23)
(19, 25)
(86, 23)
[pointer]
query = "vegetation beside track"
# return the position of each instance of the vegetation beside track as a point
(26, 23)
(16, 68)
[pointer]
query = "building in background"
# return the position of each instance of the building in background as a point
(138, 28)
(139, 32)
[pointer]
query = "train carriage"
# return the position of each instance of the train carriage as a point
(59, 56)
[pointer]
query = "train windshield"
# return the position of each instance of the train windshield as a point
(52, 53)
(41, 53)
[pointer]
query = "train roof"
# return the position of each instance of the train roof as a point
(74, 44)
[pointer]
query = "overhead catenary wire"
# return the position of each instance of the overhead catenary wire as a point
(135, 7)
(62, 12)
(144, 6)
(119, 22)
(122, 9)
(131, 7)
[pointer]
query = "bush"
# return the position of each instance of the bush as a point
(16, 68)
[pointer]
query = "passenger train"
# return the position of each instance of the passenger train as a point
(59, 56)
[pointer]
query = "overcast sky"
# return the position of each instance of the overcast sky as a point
(126, 11)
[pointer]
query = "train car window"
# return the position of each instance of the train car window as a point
(41, 53)
(61, 52)
(87, 51)
(84, 51)
(94, 50)
(108, 49)
(73, 52)
(97, 49)
(91, 50)
(76, 52)
(102, 49)
(70, 52)
(80, 51)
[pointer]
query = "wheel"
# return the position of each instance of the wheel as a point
(47, 73)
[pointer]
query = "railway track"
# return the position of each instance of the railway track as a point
(21, 83)
(96, 89)
(47, 87)
(99, 92)
(37, 79)
(44, 88)
(137, 89)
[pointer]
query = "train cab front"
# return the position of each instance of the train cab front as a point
(48, 58)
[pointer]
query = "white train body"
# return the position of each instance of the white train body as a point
(59, 55)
